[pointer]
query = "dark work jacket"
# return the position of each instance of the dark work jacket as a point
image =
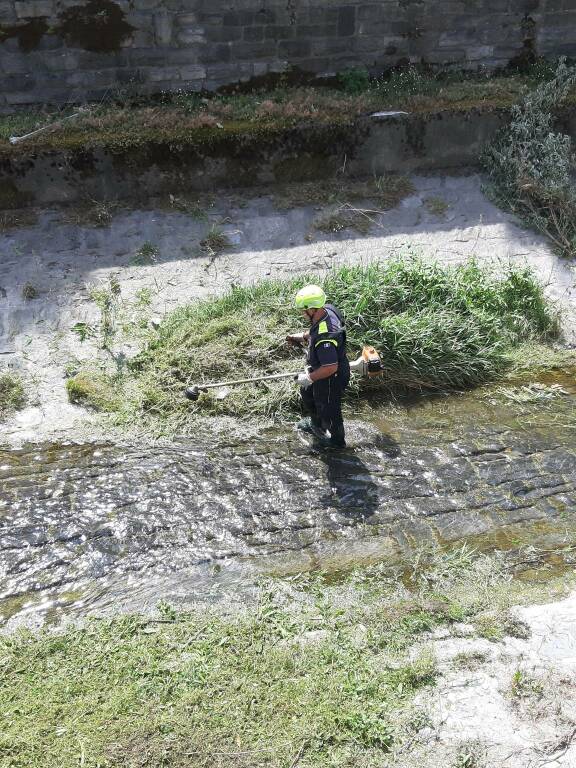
(330, 329)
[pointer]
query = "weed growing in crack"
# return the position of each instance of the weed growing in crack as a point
(344, 218)
(215, 241)
(470, 754)
(436, 206)
(524, 685)
(29, 292)
(147, 254)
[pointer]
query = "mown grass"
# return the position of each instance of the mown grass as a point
(12, 394)
(437, 328)
(187, 117)
(312, 672)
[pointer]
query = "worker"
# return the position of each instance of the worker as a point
(328, 370)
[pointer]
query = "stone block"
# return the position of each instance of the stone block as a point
(149, 5)
(240, 18)
(60, 61)
(212, 54)
(304, 31)
(159, 74)
(19, 98)
(329, 46)
(265, 16)
(458, 39)
(14, 63)
(17, 82)
(525, 6)
(479, 52)
(33, 9)
(50, 43)
(163, 26)
(98, 79)
(186, 19)
(321, 16)
(373, 12)
(190, 37)
(219, 34)
(193, 72)
(247, 51)
(253, 34)
(280, 32)
(261, 68)
(294, 49)
(346, 20)
(7, 12)
(318, 66)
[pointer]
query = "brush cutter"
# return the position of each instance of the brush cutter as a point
(368, 364)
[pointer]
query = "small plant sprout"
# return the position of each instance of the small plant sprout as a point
(147, 254)
(83, 331)
(215, 241)
(436, 206)
(29, 292)
(470, 754)
(525, 685)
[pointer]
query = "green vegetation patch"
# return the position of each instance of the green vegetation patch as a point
(437, 328)
(188, 118)
(315, 671)
(12, 394)
(94, 389)
(531, 166)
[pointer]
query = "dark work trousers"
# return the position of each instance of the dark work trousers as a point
(323, 403)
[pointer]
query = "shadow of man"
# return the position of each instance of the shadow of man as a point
(353, 491)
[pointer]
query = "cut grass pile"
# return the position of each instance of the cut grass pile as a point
(436, 327)
(318, 672)
(12, 394)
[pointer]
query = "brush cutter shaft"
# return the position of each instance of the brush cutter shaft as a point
(273, 377)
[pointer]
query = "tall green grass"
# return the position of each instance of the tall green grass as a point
(436, 327)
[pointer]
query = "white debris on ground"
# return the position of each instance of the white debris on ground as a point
(63, 260)
(509, 704)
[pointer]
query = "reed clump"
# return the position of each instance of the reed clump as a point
(437, 328)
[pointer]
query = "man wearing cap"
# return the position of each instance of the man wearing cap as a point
(328, 369)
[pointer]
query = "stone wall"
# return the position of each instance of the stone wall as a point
(61, 50)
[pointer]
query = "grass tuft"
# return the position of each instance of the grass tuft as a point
(215, 241)
(93, 389)
(29, 292)
(12, 394)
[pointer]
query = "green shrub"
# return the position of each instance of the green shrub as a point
(354, 80)
(530, 167)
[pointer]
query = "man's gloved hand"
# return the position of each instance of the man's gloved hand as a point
(295, 339)
(304, 380)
